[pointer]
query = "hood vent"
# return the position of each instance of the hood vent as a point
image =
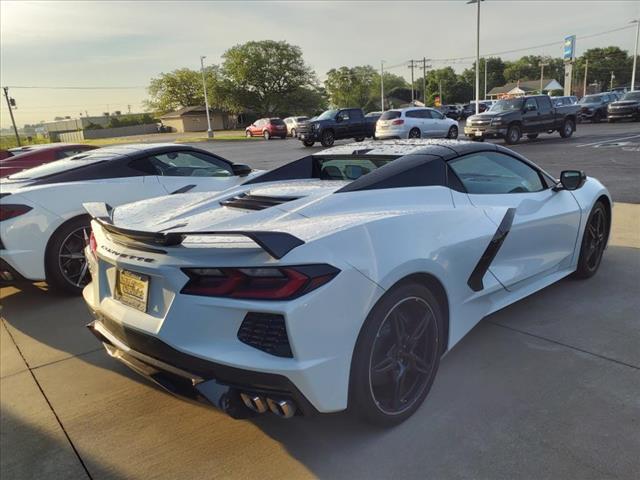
(255, 202)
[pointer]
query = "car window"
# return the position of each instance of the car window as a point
(344, 115)
(349, 168)
(69, 152)
(544, 103)
(530, 105)
(494, 172)
(390, 115)
(413, 114)
(435, 114)
(189, 164)
(356, 115)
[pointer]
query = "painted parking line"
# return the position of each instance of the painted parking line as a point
(606, 141)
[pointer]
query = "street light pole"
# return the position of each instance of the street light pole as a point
(382, 85)
(485, 78)
(586, 71)
(611, 82)
(477, 54)
(635, 54)
(206, 100)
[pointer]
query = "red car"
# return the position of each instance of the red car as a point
(267, 128)
(31, 156)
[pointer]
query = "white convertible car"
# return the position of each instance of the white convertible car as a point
(337, 280)
(43, 227)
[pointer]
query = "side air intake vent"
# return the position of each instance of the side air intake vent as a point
(266, 332)
(255, 202)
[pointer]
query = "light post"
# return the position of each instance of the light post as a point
(635, 54)
(206, 101)
(477, 54)
(382, 85)
(542, 65)
(485, 78)
(586, 71)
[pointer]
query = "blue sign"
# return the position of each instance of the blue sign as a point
(569, 49)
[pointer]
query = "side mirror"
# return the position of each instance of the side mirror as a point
(572, 179)
(240, 169)
(338, 118)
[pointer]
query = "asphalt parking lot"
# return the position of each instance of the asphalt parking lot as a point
(548, 388)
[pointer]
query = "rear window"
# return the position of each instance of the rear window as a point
(276, 121)
(348, 167)
(301, 119)
(390, 115)
(632, 96)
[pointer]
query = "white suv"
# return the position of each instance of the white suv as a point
(415, 122)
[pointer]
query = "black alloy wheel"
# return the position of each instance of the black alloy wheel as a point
(513, 135)
(67, 270)
(327, 138)
(453, 132)
(594, 241)
(414, 133)
(567, 129)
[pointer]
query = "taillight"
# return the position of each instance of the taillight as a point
(263, 283)
(12, 211)
(397, 122)
(93, 245)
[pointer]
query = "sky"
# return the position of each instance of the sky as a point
(125, 44)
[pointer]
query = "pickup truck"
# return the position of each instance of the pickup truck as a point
(528, 115)
(337, 124)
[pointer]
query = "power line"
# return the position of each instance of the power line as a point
(75, 87)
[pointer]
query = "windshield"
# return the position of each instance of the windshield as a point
(632, 96)
(329, 114)
(591, 99)
(81, 160)
(302, 119)
(507, 105)
(390, 115)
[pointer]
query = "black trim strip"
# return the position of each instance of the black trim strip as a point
(276, 244)
(184, 189)
(475, 279)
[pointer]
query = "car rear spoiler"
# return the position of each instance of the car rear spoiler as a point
(276, 244)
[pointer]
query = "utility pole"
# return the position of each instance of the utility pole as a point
(206, 100)
(440, 92)
(586, 70)
(611, 82)
(129, 108)
(542, 65)
(424, 80)
(10, 103)
(412, 65)
(382, 85)
(477, 54)
(635, 54)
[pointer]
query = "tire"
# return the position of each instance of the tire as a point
(453, 132)
(532, 136)
(308, 143)
(247, 133)
(65, 266)
(266, 135)
(293, 133)
(597, 117)
(513, 135)
(372, 390)
(327, 138)
(611, 120)
(594, 242)
(359, 139)
(414, 133)
(567, 129)
(477, 139)
(284, 137)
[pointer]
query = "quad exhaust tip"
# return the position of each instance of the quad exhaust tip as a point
(280, 407)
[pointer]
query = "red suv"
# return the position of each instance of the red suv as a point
(31, 156)
(267, 128)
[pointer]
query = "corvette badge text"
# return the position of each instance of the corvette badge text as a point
(124, 255)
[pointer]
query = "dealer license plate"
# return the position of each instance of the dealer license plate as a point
(132, 289)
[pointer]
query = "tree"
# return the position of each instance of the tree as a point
(359, 86)
(268, 77)
(495, 75)
(174, 90)
(603, 61)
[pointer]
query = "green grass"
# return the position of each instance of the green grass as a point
(9, 141)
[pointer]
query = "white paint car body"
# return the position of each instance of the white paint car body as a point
(379, 230)
(54, 194)
(415, 122)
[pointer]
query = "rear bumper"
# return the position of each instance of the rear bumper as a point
(192, 378)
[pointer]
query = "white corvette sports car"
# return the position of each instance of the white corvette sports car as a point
(337, 280)
(43, 226)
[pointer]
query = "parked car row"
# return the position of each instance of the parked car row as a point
(17, 159)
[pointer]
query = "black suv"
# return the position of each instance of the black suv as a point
(336, 124)
(628, 107)
(594, 107)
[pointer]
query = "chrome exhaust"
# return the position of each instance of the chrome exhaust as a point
(282, 408)
(254, 402)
